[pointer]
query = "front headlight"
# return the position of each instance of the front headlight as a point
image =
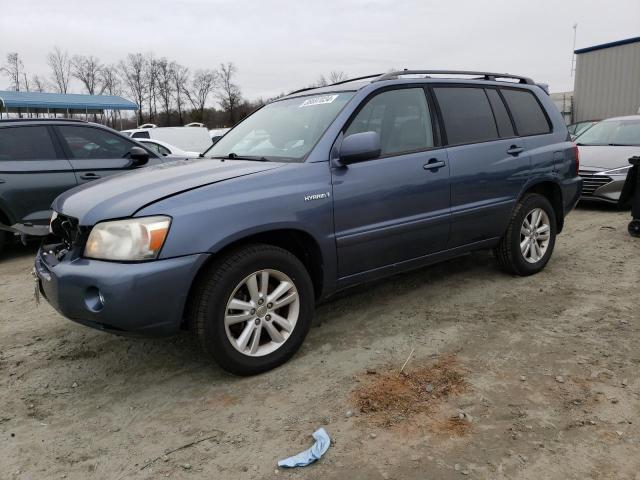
(128, 240)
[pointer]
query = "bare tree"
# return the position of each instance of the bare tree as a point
(165, 84)
(229, 94)
(150, 77)
(38, 83)
(133, 74)
(180, 82)
(337, 76)
(202, 85)
(334, 77)
(111, 85)
(89, 71)
(110, 80)
(14, 69)
(60, 69)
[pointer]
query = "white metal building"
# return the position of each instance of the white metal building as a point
(607, 80)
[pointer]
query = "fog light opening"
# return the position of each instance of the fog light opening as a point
(93, 299)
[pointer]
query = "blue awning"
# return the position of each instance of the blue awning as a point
(63, 101)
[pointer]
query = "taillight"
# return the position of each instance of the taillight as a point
(576, 154)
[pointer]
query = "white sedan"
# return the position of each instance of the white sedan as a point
(165, 149)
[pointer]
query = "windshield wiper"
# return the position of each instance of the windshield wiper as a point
(235, 156)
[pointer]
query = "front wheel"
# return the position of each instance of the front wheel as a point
(528, 243)
(634, 228)
(252, 309)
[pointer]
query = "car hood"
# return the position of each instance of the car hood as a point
(606, 157)
(123, 195)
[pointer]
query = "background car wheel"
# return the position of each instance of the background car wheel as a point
(252, 308)
(634, 228)
(528, 242)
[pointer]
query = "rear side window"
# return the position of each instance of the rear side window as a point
(527, 112)
(26, 143)
(503, 122)
(401, 118)
(87, 143)
(466, 114)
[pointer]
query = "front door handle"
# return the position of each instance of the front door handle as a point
(434, 164)
(90, 176)
(515, 150)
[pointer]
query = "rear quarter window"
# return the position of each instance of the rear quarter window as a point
(527, 112)
(26, 143)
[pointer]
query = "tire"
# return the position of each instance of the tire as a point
(227, 280)
(509, 254)
(3, 240)
(634, 228)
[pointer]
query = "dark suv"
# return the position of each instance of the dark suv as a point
(315, 192)
(40, 159)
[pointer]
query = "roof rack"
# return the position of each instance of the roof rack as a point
(479, 75)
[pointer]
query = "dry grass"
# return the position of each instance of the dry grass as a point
(389, 397)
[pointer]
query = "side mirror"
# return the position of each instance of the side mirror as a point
(139, 156)
(360, 147)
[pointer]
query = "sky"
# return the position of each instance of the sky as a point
(282, 45)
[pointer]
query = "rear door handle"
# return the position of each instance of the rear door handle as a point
(515, 150)
(90, 176)
(434, 164)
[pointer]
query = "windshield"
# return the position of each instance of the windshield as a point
(612, 132)
(284, 130)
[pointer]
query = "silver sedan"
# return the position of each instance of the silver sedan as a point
(605, 150)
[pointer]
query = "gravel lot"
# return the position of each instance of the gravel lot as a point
(550, 364)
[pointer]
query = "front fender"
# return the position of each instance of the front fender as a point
(210, 218)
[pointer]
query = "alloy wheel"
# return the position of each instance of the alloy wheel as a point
(262, 312)
(535, 233)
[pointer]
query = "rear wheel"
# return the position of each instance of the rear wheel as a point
(528, 242)
(252, 309)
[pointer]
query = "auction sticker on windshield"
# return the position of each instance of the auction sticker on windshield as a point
(318, 100)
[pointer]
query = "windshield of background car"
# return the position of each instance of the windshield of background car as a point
(284, 130)
(612, 132)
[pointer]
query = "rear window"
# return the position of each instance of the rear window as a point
(140, 135)
(526, 112)
(466, 114)
(26, 143)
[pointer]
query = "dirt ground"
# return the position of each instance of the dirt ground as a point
(550, 366)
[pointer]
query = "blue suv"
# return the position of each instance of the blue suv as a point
(315, 192)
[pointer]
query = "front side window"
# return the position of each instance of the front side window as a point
(156, 148)
(526, 111)
(401, 118)
(467, 115)
(612, 132)
(87, 143)
(26, 143)
(285, 130)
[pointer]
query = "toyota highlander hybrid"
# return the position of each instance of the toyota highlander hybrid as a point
(313, 193)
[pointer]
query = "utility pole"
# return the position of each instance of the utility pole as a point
(573, 55)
